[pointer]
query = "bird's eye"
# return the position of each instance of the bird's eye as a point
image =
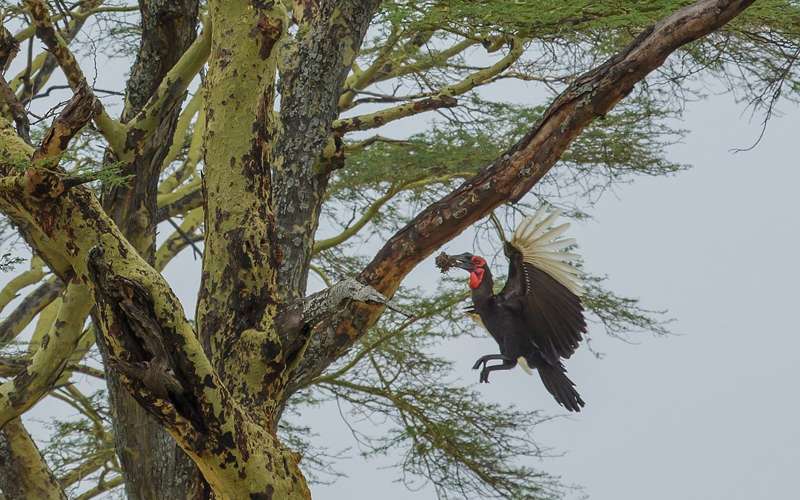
(478, 261)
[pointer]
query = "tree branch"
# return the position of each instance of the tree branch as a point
(28, 386)
(30, 306)
(175, 82)
(310, 90)
(17, 110)
(111, 129)
(304, 314)
(512, 175)
(26, 278)
(195, 105)
(44, 178)
(23, 471)
(180, 239)
(373, 209)
(384, 116)
(444, 98)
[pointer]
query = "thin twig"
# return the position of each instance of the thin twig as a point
(187, 238)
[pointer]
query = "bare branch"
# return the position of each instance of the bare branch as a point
(30, 306)
(28, 386)
(444, 98)
(111, 129)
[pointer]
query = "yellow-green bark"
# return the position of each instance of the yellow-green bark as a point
(240, 259)
(50, 358)
(29, 476)
(9, 292)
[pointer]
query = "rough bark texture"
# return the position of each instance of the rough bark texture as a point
(25, 475)
(512, 175)
(168, 29)
(240, 256)
(330, 37)
(218, 389)
(148, 339)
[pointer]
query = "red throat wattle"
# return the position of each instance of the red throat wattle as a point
(476, 275)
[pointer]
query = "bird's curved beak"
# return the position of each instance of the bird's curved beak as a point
(463, 261)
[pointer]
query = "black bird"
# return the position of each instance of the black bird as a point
(537, 318)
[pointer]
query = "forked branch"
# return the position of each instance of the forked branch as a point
(514, 173)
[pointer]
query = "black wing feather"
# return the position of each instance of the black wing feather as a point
(553, 314)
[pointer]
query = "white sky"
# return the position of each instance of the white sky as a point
(708, 414)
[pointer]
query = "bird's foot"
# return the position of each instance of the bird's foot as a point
(483, 360)
(484, 378)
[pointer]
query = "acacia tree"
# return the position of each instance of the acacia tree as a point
(274, 172)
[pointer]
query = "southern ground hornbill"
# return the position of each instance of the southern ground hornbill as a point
(537, 318)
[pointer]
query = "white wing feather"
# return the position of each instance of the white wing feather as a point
(541, 245)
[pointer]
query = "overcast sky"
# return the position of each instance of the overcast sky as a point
(707, 414)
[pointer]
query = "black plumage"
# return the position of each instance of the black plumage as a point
(536, 319)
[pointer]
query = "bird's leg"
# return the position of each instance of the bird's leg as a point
(484, 359)
(508, 364)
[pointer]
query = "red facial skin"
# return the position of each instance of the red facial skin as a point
(476, 275)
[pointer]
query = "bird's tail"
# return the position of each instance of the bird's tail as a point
(560, 386)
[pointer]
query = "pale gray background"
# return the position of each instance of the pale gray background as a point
(709, 414)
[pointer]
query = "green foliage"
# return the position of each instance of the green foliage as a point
(399, 374)
(445, 433)
(544, 19)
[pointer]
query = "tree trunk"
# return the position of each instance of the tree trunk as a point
(218, 388)
(153, 465)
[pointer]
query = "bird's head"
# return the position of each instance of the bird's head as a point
(467, 261)
(474, 264)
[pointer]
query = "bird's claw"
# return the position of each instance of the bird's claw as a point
(484, 378)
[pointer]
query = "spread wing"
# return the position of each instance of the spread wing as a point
(543, 287)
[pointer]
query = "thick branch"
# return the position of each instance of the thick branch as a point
(168, 58)
(30, 306)
(143, 324)
(23, 471)
(27, 387)
(310, 90)
(26, 278)
(512, 175)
